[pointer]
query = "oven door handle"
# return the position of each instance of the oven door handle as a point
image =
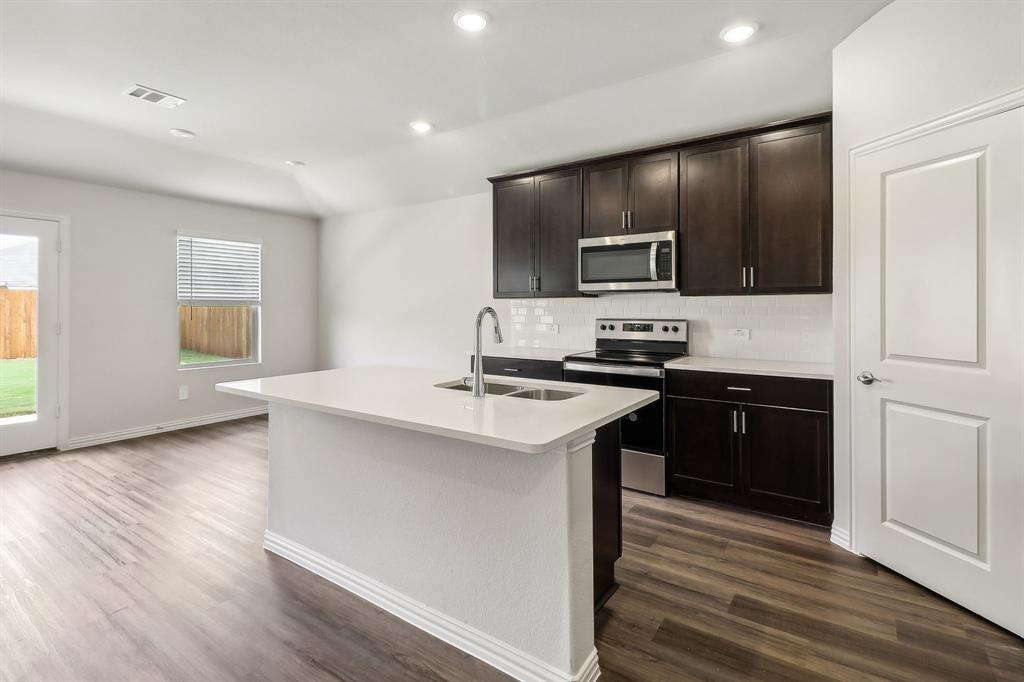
(628, 370)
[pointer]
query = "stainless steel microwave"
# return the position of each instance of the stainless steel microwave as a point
(632, 262)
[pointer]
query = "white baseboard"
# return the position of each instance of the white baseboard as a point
(112, 436)
(589, 671)
(504, 657)
(841, 537)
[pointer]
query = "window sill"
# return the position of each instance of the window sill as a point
(217, 365)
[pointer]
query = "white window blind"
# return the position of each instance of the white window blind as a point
(218, 272)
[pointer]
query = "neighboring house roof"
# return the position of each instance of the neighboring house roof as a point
(19, 265)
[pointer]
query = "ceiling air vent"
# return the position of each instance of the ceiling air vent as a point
(146, 94)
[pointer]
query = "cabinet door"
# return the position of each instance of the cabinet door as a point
(704, 447)
(514, 215)
(653, 193)
(559, 199)
(713, 219)
(604, 199)
(791, 211)
(785, 462)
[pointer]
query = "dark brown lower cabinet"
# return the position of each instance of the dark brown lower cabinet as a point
(607, 491)
(775, 459)
(785, 462)
(706, 452)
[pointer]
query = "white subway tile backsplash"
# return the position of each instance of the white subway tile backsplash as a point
(797, 327)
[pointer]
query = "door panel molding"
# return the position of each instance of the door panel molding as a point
(971, 552)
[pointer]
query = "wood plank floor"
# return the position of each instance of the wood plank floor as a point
(143, 560)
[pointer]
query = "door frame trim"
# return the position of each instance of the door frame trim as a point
(844, 385)
(63, 313)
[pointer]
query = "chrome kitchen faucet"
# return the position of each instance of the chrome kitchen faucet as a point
(477, 381)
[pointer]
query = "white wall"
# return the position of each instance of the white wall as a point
(123, 327)
(403, 285)
(912, 62)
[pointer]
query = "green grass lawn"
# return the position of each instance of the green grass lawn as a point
(17, 387)
(193, 357)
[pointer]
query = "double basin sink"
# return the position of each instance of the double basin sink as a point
(513, 391)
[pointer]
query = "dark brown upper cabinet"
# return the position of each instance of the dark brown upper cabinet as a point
(514, 215)
(753, 208)
(559, 228)
(791, 211)
(713, 219)
(653, 193)
(537, 222)
(605, 199)
(638, 194)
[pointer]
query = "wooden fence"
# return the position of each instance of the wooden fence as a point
(19, 323)
(218, 330)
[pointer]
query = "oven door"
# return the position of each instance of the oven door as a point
(643, 429)
(636, 262)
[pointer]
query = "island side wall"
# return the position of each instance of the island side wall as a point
(486, 548)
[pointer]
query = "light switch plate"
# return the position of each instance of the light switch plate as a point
(182, 392)
(740, 334)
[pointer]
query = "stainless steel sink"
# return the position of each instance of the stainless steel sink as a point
(489, 389)
(543, 394)
(513, 391)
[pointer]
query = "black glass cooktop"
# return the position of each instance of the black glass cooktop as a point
(626, 357)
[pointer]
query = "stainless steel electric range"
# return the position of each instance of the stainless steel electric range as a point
(632, 353)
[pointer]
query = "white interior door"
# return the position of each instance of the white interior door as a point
(938, 290)
(28, 334)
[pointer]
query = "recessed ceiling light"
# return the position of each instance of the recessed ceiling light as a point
(471, 21)
(421, 127)
(295, 164)
(181, 132)
(737, 33)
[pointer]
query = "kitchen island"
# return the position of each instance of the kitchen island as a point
(470, 518)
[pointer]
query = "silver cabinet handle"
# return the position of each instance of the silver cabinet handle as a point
(624, 228)
(751, 275)
(743, 422)
(737, 388)
(629, 220)
(734, 421)
(867, 378)
(509, 369)
(744, 277)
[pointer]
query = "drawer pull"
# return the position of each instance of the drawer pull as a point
(738, 388)
(509, 369)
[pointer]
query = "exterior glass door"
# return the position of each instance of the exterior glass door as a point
(28, 334)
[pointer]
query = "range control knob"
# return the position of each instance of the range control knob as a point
(604, 326)
(612, 327)
(675, 328)
(664, 328)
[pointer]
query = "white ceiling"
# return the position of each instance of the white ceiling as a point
(336, 83)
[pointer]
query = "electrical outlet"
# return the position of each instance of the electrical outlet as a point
(740, 334)
(182, 392)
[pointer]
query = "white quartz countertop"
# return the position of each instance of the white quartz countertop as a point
(556, 354)
(407, 398)
(775, 368)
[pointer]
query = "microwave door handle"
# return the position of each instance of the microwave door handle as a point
(654, 261)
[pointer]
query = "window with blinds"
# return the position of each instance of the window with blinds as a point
(219, 292)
